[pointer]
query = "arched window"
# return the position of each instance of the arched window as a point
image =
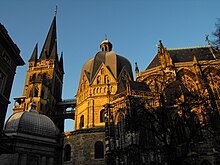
(121, 131)
(67, 153)
(39, 77)
(102, 71)
(33, 77)
(36, 92)
(81, 124)
(99, 150)
(98, 79)
(102, 116)
(106, 79)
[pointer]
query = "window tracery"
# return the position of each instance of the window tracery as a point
(189, 83)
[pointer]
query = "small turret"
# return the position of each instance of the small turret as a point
(136, 70)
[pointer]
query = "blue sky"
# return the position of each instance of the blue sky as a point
(134, 27)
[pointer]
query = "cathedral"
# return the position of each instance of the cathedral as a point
(167, 114)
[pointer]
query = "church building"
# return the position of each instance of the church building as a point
(168, 114)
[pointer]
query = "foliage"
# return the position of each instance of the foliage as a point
(178, 121)
(216, 34)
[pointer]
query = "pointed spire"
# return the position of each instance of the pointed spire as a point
(50, 42)
(53, 54)
(162, 55)
(34, 54)
(161, 47)
(61, 63)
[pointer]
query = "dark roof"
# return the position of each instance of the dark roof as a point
(114, 62)
(139, 86)
(134, 86)
(186, 55)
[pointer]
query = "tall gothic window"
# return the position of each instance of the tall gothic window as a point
(33, 77)
(121, 132)
(39, 77)
(102, 116)
(99, 150)
(67, 153)
(81, 124)
(35, 92)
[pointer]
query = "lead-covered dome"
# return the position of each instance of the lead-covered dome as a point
(31, 123)
(114, 62)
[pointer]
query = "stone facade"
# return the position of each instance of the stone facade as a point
(174, 118)
(82, 143)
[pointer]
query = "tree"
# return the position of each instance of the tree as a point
(178, 119)
(216, 34)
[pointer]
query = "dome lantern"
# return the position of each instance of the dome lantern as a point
(106, 46)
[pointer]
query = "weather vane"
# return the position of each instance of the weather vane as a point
(55, 11)
(105, 36)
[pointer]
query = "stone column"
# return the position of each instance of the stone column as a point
(43, 160)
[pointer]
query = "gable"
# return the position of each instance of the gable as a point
(103, 76)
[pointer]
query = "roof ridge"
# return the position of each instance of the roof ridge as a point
(205, 46)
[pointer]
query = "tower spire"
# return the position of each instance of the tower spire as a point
(50, 42)
(34, 54)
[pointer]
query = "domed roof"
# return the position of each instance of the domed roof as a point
(31, 123)
(114, 62)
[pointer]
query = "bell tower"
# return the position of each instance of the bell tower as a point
(44, 78)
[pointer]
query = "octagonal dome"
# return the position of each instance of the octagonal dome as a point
(114, 62)
(32, 123)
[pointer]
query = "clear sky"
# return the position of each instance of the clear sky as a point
(134, 27)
